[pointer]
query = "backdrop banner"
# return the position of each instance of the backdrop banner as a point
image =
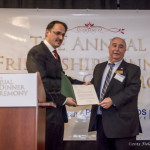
(85, 45)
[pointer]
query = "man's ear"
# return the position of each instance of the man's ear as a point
(46, 32)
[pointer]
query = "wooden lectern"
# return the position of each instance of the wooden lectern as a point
(22, 122)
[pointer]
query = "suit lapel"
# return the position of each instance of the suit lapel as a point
(50, 55)
(99, 77)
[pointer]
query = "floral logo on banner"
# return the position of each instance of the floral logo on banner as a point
(91, 28)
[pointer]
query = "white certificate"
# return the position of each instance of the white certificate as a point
(85, 94)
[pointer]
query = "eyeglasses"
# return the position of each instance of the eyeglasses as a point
(59, 33)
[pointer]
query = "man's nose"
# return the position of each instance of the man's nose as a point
(117, 47)
(61, 37)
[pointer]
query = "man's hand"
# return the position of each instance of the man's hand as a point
(106, 103)
(87, 83)
(70, 102)
(47, 104)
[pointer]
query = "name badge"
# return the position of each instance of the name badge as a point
(119, 77)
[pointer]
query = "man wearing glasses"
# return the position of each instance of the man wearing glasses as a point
(44, 58)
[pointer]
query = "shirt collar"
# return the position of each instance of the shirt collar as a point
(50, 47)
(116, 63)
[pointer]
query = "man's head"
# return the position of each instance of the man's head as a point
(55, 33)
(117, 49)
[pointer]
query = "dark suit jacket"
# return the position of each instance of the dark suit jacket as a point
(40, 59)
(121, 119)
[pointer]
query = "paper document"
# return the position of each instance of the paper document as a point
(82, 94)
(85, 94)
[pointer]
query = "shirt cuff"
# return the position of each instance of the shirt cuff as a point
(65, 102)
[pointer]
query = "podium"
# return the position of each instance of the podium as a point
(22, 122)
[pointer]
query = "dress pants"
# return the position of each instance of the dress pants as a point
(104, 143)
(54, 132)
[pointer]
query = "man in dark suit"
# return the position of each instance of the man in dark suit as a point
(116, 118)
(42, 59)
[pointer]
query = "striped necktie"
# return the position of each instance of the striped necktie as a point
(107, 80)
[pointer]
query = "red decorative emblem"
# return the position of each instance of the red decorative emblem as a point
(93, 29)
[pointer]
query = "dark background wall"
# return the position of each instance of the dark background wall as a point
(82, 4)
(76, 4)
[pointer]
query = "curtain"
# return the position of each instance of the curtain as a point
(76, 4)
(60, 4)
(134, 4)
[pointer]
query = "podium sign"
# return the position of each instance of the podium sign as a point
(22, 122)
(18, 90)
